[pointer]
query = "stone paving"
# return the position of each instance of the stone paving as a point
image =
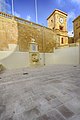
(44, 93)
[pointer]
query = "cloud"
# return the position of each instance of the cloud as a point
(71, 17)
(59, 1)
(70, 33)
(5, 7)
(76, 1)
(17, 14)
(28, 17)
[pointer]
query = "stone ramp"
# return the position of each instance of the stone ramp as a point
(44, 93)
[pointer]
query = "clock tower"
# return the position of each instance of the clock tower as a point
(57, 21)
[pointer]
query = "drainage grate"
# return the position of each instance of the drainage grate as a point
(25, 73)
(75, 66)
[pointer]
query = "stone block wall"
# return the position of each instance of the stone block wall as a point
(43, 36)
(18, 31)
(8, 32)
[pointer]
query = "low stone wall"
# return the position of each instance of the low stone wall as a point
(15, 59)
(69, 55)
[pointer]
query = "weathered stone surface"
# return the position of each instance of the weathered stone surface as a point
(43, 36)
(2, 109)
(8, 32)
(74, 105)
(76, 27)
(13, 31)
(35, 97)
(55, 114)
(65, 111)
(54, 103)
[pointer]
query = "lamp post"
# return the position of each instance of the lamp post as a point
(36, 11)
(13, 7)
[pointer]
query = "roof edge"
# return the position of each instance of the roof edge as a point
(76, 18)
(58, 11)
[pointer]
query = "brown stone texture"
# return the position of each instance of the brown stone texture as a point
(70, 40)
(42, 35)
(19, 31)
(76, 26)
(58, 26)
(8, 32)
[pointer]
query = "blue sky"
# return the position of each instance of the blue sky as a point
(26, 9)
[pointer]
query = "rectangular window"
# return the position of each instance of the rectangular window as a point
(62, 41)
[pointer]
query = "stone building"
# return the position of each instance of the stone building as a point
(70, 40)
(57, 21)
(17, 31)
(76, 26)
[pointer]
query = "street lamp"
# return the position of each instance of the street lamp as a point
(36, 11)
(13, 7)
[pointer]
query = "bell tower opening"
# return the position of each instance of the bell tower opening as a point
(61, 27)
(62, 41)
(79, 35)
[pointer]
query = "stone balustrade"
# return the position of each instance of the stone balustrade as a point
(5, 15)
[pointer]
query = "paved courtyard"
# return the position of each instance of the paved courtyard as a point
(44, 93)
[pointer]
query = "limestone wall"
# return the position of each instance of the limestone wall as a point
(19, 31)
(14, 60)
(8, 32)
(43, 36)
(76, 26)
(69, 55)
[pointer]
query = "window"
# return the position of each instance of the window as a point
(52, 21)
(76, 24)
(61, 27)
(62, 41)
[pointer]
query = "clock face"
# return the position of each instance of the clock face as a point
(61, 20)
